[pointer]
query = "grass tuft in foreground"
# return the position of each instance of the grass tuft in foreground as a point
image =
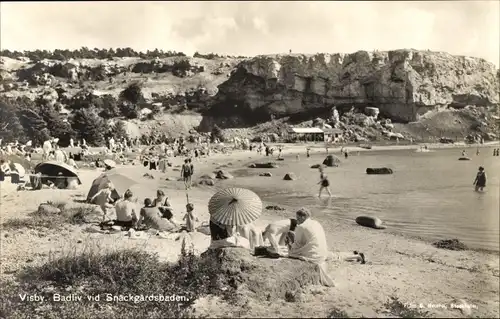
(74, 215)
(120, 273)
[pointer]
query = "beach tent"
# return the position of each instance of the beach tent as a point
(119, 181)
(54, 169)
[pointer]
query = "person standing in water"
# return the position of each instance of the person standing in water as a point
(346, 154)
(477, 152)
(324, 182)
(308, 152)
(480, 181)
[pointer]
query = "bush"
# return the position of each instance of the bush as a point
(132, 94)
(129, 110)
(109, 107)
(85, 53)
(10, 125)
(217, 134)
(118, 131)
(124, 272)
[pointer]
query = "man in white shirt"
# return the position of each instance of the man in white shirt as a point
(308, 242)
(310, 239)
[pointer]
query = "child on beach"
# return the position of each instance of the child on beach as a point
(190, 218)
(480, 181)
(103, 199)
(186, 174)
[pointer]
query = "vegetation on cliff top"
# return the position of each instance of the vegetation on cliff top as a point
(22, 119)
(86, 53)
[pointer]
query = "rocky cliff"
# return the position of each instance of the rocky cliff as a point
(401, 83)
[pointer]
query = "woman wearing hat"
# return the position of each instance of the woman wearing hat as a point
(480, 180)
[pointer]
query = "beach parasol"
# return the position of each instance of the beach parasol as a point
(234, 207)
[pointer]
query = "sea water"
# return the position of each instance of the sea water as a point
(430, 194)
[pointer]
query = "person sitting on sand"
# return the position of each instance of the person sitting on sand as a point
(190, 218)
(103, 198)
(161, 199)
(150, 218)
(324, 182)
(126, 215)
(308, 243)
(480, 180)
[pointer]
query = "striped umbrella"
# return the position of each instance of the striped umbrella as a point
(234, 207)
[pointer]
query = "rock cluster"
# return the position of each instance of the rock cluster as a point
(401, 83)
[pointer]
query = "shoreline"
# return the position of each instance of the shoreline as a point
(348, 223)
(395, 260)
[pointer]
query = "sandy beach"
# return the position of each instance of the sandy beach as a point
(414, 271)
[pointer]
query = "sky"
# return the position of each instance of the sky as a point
(250, 28)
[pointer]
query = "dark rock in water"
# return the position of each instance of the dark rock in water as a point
(266, 174)
(331, 161)
(223, 175)
(264, 165)
(372, 222)
(379, 171)
(264, 279)
(464, 159)
(207, 182)
(280, 159)
(450, 244)
(148, 176)
(172, 179)
(290, 177)
(274, 207)
(317, 165)
(209, 176)
(175, 169)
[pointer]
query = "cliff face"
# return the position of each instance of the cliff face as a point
(400, 83)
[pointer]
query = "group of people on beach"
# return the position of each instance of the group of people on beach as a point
(155, 213)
